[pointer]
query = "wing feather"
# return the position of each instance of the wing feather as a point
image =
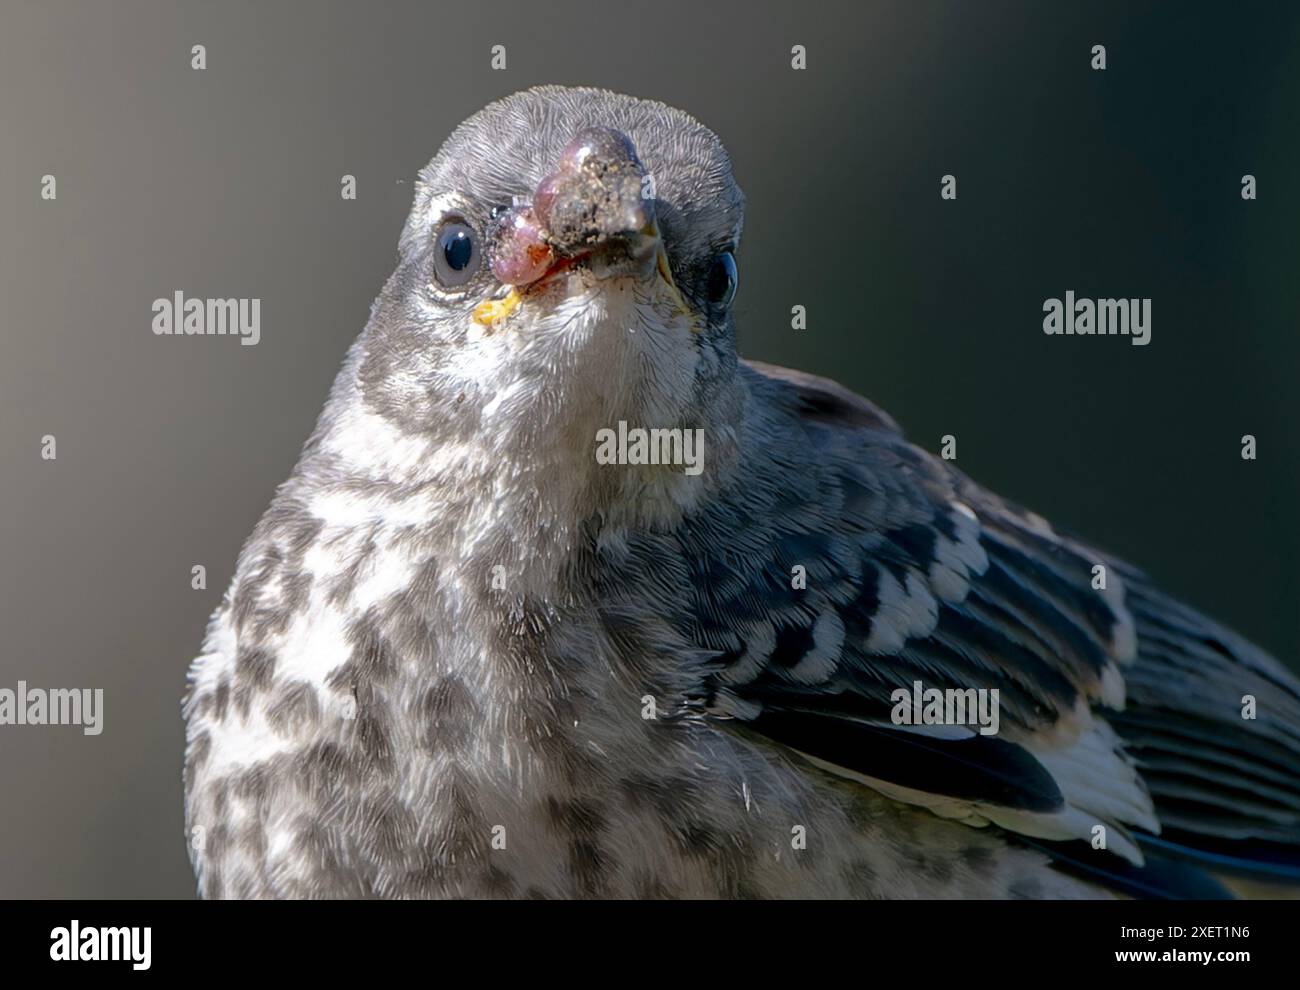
(1119, 706)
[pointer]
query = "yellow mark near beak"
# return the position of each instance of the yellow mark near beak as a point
(489, 312)
(666, 274)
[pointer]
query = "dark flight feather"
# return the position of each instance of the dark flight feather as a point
(897, 529)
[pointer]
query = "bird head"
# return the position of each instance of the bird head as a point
(569, 259)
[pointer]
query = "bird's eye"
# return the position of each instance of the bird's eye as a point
(723, 278)
(456, 254)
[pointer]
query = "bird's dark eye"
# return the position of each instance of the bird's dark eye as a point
(456, 254)
(723, 278)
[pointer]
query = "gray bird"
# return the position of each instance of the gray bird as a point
(564, 599)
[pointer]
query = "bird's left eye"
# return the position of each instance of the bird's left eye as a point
(723, 278)
(455, 254)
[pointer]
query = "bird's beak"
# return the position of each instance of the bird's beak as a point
(597, 209)
(598, 201)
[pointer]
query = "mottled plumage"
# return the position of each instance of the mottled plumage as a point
(460, 657)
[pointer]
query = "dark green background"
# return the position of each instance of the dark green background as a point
(225, 183)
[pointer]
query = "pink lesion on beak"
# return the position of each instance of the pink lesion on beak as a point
(593, 194)
(520, 254)
(595, 197)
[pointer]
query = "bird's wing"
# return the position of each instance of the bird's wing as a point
(1117, 706)
(1213, 723)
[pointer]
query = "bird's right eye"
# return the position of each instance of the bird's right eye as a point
(723, 278)
(456, 254)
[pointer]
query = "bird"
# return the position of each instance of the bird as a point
(565, 599)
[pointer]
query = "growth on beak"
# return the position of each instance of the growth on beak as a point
(593, 199)
(594, 208)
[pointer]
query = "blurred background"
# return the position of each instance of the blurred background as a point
(225, 182)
